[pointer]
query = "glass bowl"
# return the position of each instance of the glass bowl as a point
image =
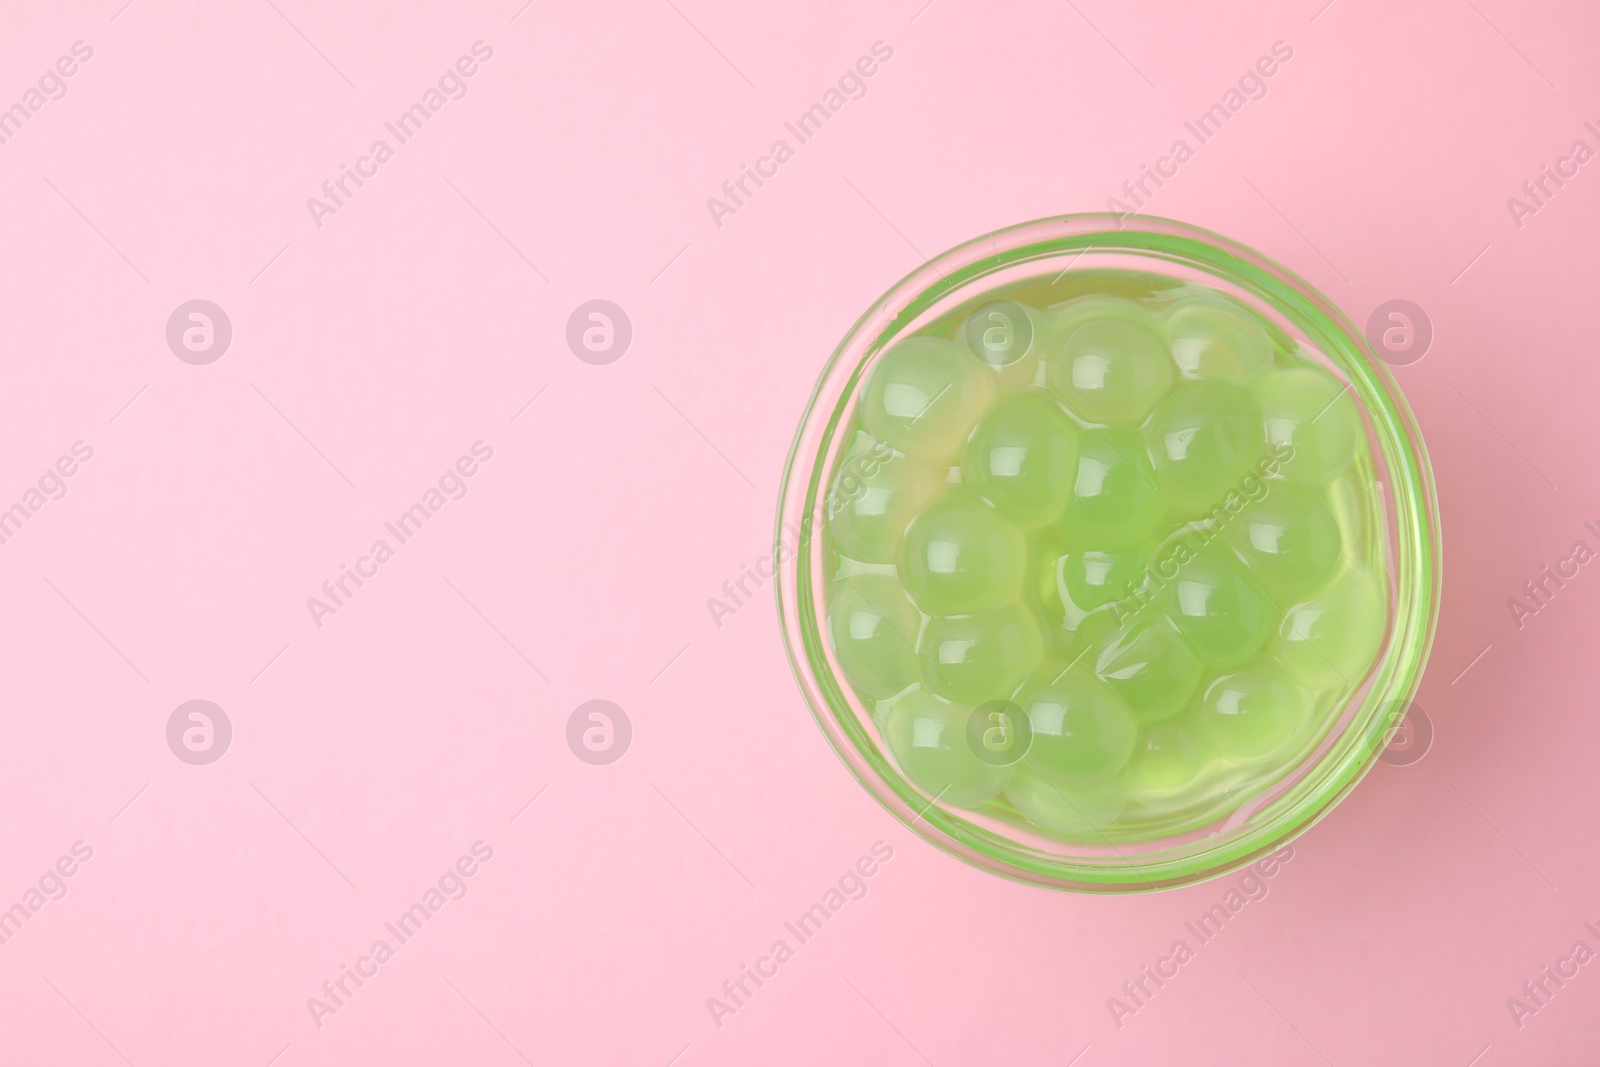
(1234, 827)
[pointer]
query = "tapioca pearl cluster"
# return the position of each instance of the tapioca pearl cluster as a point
(1083, 736)
(1015, 508)
(1256, 712)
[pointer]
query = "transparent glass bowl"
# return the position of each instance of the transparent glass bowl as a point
(1400, 500)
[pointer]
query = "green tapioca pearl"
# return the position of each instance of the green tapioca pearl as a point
(1115, 501)
(1083, 733)
(1080, 311)
(962, 556)
(874, 628)
(1094, 577)
(1069, 812)
(1022, 458)
(1310, 411)
(1331, 639)
(1289, 539)
(1254, 713)
(875, 495)
(924, 396)
(928, 739)
(1151, 667)
(1112, 370)
(973, 659)
(1213, 604)
(1216, 339)
(1204, 438)
(1165, 762)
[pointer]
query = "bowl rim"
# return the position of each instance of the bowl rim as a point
(1409, 498)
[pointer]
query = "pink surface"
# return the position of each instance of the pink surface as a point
(372, 753)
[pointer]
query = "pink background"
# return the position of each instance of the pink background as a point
(369, 754)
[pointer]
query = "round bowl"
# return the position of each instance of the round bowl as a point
(1233, 828)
